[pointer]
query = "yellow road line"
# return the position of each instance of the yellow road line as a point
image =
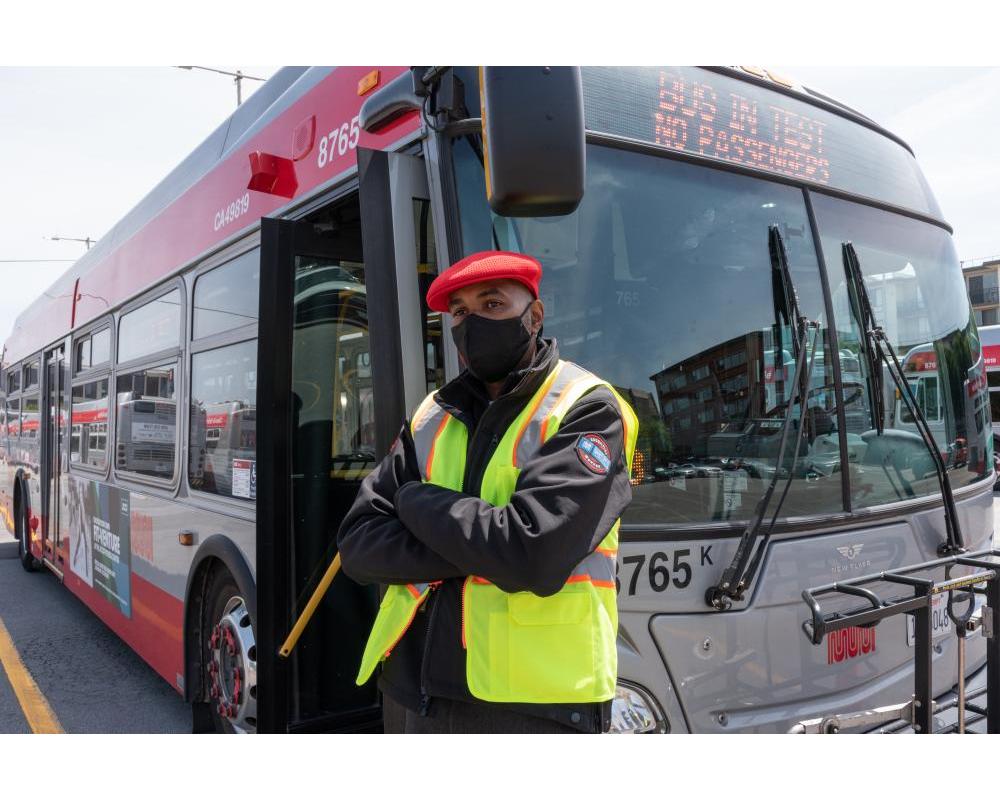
(36, 708)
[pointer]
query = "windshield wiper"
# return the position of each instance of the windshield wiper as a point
(878, 351)
(861, 307)
(739, 575)
(784, 301)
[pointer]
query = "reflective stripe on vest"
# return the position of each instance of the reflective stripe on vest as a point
(434, 431)
(520, 647)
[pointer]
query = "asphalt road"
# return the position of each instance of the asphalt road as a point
(90, 680)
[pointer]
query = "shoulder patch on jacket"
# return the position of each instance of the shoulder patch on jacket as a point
(594, 453)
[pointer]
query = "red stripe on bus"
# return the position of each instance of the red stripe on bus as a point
(156, 629)
(99, 415)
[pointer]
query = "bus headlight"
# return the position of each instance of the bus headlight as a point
(635, 711)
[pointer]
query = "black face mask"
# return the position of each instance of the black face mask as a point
(492, 347)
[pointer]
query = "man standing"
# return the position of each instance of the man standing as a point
(494, 520)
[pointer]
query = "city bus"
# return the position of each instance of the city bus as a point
(89, 432)
(230, 433)
(989, 335)
(680, 213)
(920, 368)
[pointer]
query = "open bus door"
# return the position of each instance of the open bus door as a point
(340, 359)
(53, 456)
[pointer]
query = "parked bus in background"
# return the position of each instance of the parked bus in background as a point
(89, 432)
(684, 219)
(920, 368)
(921, 371)
(230, 437)
(989, 335)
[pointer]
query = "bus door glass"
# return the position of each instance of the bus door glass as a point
(315, 437)
(333, 319)
(54, 416)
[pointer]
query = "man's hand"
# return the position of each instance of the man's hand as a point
(407, 466)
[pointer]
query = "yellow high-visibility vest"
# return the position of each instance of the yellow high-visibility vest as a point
(520, 648)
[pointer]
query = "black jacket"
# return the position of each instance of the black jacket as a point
(400, 530)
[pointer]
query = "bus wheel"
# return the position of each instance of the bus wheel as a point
(28, 561)
(230, 654)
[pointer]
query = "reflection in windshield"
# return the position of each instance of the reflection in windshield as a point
(919, 299)
(661, 283)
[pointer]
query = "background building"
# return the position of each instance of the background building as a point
(982, 279)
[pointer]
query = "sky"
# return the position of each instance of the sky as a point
(83, 145)
(949, 117)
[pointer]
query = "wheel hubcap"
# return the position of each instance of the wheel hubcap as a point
(232, 667)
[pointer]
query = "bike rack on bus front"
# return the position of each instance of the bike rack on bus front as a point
(919, 712)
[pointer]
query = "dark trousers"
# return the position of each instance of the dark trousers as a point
(453, 716)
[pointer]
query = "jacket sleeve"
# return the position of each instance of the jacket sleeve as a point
(560, 510)
(375, 547)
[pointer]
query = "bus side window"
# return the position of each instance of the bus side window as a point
(146, 437)
(222, 453)
(12, 427)
(31, 375)
(100, 352)
(30, 417)
(92, 350)
(88, 437)
(146, 393)
(223, 430)
(13, 418)
(81, 357)
(150, 328)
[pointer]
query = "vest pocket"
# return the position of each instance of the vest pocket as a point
(530, 649)
(552, 645)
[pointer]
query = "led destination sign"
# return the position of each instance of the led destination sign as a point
(695, 117)
(708, 114)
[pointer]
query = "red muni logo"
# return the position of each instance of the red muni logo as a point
(849, 643)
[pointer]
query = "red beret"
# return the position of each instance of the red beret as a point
(490, 265)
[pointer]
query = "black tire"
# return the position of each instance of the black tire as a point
(220, 591)
(22, 532)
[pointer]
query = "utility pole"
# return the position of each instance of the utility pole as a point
(238, 77)
(87, 241)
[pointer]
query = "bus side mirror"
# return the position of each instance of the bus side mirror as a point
(533, 139)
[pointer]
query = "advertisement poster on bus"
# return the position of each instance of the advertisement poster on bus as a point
(100, 540)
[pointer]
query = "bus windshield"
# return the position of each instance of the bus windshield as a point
(661, 283)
